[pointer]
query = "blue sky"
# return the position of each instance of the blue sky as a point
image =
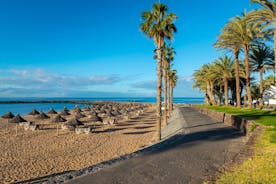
(89, 48)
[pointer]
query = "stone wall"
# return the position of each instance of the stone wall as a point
(237, 122)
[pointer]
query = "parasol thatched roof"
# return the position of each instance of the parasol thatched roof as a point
(94, 117)
(59, 118)
(64, 113)
(17, 119)
(34, 112)
(79, 115)
(86, 108)
(8, 115)
(65, 109)
(77, 109)
(52, 111)
(42, 115)
(74, 122)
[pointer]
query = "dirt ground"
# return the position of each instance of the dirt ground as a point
(32, 154)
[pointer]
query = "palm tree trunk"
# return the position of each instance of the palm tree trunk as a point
(171, 97)
(165, 94)
(261, 83)
(247, 71)
(237, 75)
(225, 80)
(159, 89)
(210, 92)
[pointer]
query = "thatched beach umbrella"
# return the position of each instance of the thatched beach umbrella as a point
(42, 115)
(8, 115)
(94, 117)
(52, 111)
(34, 112)
(65, 109)
(86, 108)
(77, 109)
(17, 119)
(74, 122)
(64, 113)
(79, 115)
(110, 114)
(58, 119)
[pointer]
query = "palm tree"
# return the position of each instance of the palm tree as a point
(159, 25)
(261, 58)
(224, 69)
(245, 32)
(226, 40)
(205, 81)
(267, 15)
(169, 53)
(172, 83)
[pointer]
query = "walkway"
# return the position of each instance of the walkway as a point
(195, 154)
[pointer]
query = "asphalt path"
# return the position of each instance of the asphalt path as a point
(191, 156)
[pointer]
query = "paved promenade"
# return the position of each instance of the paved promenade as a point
(196, 152)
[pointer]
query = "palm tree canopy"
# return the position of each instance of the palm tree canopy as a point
(158, 23)
(267, 14)
(261, 58)
(224, 67)
(173, 77)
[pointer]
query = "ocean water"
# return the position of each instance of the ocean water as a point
(25, 108)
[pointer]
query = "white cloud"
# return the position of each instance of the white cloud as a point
(38, 79)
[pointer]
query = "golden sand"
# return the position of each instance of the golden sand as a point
(33, 154)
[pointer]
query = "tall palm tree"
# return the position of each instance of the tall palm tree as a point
(169, 53)
(159, 25)
(267, 15)
(172, 81)
(226, 40)
(224, 69)
(261, 58)
(245, 32)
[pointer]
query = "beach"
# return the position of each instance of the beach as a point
(50, 150)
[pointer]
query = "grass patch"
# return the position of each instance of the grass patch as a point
(261, 168)
(263, 117)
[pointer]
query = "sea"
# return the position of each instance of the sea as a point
(25, 108)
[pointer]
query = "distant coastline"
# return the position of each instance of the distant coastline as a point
(25, 105)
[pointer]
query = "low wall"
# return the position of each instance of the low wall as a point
(237, 122)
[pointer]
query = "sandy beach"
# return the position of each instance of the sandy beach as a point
(33, 154)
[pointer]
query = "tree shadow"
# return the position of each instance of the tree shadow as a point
(108, 130)
(136, 133)
(143, 127)
(188, 140)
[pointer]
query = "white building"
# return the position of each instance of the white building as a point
(270, 96)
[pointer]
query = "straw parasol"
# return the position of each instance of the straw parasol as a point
(65, 109)
(74, 122)
(64, 113)
(17, 119)
(77, 109)
(34, 112)
(8, 115)
(52, 111)
(94, 117)
(79, 115)
(59, 118)
(42, 115)
(86, 108)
